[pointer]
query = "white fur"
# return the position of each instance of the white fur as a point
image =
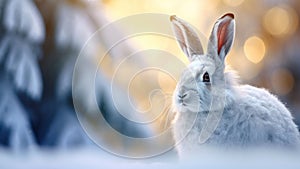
(250, 116)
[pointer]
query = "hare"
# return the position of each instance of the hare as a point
(213, 109)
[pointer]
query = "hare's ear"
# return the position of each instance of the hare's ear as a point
(186, 37)
(221, 38)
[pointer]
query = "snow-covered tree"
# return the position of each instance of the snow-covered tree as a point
(21, 34)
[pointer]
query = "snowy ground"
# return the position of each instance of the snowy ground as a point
(88, 158)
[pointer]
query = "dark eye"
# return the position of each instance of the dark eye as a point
(205, 77)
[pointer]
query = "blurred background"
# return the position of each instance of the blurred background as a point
(40, 41)
(265, 50)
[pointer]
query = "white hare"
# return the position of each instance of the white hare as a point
(213, 109)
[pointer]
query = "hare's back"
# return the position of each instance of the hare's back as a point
(266, 116)
(260, 100)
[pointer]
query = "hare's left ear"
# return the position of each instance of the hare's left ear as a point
(187, 38)
(221, 38)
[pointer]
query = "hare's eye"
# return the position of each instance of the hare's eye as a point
(205, 77)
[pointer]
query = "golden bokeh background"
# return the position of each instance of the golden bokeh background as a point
(266, 47)
(265, 52)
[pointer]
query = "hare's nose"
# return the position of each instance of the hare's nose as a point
(182, 96)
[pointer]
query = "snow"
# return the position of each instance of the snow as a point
(72, 32)
(14, 126)
(23, 16)
(96, 158)
(21, 63)
(19, 45)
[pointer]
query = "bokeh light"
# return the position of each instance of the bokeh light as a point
(233, 3)
(282, 81)
(279, 21)
(254, 49)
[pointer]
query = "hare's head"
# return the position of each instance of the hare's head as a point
(206, 71)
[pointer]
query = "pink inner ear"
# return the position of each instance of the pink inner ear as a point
(222, 34)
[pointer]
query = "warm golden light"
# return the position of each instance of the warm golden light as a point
(254, 41)
(279, 21)
(166, 82)
(282, 81)
(254, 49)
(233, 2)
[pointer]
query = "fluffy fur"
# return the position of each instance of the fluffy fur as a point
(240, 115)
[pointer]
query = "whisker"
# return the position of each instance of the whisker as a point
(165, 115)
(167, 118)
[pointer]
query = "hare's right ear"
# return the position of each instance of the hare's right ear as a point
(221, 37)
(186, 37)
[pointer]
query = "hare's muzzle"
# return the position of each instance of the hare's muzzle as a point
(181, 97)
